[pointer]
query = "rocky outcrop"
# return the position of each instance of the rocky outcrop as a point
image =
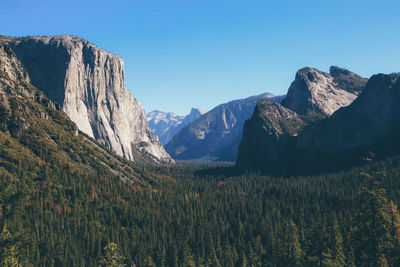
(88, 83)
(318, 92)
(266, 135)
(166, 124)
(215, 135)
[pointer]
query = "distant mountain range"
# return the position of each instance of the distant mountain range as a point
(166, 124)
(216, 134)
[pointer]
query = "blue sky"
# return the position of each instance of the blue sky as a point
(180, 54)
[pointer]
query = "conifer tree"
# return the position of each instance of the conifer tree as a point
(294, 253)
(376, 231)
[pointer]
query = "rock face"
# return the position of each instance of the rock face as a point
(88, 83)
(319, 92)
(166, 124)
(215, 135)
(36, 130)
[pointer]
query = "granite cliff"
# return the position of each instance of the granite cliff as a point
(88, 83)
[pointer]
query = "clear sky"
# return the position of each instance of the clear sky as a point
(184, 53)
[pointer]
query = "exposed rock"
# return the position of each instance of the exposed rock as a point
(215, 135)
(316, 91)
(166, 124)
(39, 133)
(88, 83)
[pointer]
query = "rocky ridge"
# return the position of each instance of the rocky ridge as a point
(88, 83)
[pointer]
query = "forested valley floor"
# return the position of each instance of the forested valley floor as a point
(54, 215)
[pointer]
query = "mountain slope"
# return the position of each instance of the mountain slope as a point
(166, 124)
(46, 135)
(215, 135)
(266, 135)
(366, 129)
(370, 123)
(270, 134)
(88, 83)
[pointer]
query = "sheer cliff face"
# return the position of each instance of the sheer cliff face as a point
(88, 83)
(316, 91)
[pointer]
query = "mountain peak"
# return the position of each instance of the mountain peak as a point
(317, 91)
(197, 110)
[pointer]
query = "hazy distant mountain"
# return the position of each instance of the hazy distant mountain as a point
(215, 135)
(88, 83)
(166, 124)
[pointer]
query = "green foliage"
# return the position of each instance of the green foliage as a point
(8, 257)
(293, 251)
(70, 197)
(376, 227)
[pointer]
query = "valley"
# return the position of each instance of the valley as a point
(310, 178)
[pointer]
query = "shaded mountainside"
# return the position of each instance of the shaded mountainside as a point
(88, 83)
(266, 134)
(370, 124)
(366, 129)
(166, 124)
(215, 135)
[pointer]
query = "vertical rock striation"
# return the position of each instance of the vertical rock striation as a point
(88, 83)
